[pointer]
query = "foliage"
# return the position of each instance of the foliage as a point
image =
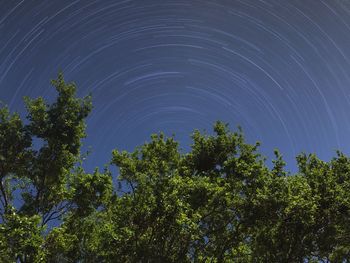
(220, 202)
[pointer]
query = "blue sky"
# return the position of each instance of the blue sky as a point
(279, 69)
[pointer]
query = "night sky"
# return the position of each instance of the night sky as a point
(279, 69)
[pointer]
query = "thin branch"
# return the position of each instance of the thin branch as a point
(52, 215)
(3, 194)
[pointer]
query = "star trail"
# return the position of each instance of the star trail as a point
(279, 69)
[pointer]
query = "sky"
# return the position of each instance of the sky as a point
(279, 69)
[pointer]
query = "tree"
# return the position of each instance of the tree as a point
(35, 168)
(219, 202)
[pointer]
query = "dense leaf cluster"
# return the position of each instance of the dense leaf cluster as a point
(219, 202)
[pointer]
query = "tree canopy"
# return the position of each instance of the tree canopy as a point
(219, 202)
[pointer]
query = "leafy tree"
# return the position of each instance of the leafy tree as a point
(219, 202)
(36, 160)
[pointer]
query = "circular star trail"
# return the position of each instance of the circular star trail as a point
(279, 69)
